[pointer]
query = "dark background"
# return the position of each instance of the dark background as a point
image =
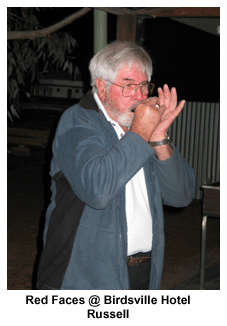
(183, 56)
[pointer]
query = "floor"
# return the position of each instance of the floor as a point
(28, 196)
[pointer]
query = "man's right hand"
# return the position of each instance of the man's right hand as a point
(147, 117)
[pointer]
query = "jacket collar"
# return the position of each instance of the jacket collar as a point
(88, 102)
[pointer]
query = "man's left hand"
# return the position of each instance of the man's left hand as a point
(169, 99)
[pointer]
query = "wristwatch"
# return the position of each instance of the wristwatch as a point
(160, 142)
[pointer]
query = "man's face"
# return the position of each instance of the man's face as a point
(118, 106)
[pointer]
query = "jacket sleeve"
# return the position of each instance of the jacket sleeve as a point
(176, 180)
(96, 169)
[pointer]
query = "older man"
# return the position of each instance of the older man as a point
(113, 167)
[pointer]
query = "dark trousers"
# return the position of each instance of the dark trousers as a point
(139, 276)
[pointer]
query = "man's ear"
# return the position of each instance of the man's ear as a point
(101, 87)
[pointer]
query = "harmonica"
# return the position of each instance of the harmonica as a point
(134, 109)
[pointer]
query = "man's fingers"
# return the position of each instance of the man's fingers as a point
(160, 96)
(173, 98)
(179, 108)
(162, 108)
(165, 95)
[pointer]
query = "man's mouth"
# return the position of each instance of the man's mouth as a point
(133, 108)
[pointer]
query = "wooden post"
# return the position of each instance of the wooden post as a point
(126, 28)
(100, 30)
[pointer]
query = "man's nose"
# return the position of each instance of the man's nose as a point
(139, 95)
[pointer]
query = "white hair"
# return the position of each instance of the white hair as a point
(108, 61)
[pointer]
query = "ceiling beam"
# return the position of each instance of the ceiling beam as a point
(187, 12)
(165, 11)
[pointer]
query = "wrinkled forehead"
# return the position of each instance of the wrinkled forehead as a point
(133, 72)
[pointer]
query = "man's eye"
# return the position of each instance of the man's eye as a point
(131, 86)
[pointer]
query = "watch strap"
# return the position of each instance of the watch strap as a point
(160, 142)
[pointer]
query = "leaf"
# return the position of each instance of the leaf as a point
(51, 53)
(9, 55)
(14, 83)
(14, 111)
(46, 65)
(10, 69)
(41, 44)
(15, 92)
(70, 68)
(28, 54)
(40, 54)
(11, 58)
(20, 78)
(33, 75)
(25, 48)
(10, 116)
(65, 65)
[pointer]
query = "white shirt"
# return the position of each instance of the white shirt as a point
(138, 215)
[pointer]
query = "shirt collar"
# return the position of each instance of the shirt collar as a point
(102, 108)
(120, 132)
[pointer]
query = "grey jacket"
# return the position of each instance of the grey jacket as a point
(85, 236)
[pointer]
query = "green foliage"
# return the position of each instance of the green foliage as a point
(29, 59)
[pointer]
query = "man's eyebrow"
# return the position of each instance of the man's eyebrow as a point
(133, 80)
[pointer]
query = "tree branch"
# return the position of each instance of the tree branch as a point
(48, 30)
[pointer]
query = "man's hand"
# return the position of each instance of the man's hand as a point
(148, 115)
(152, 122)
(169, 99)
